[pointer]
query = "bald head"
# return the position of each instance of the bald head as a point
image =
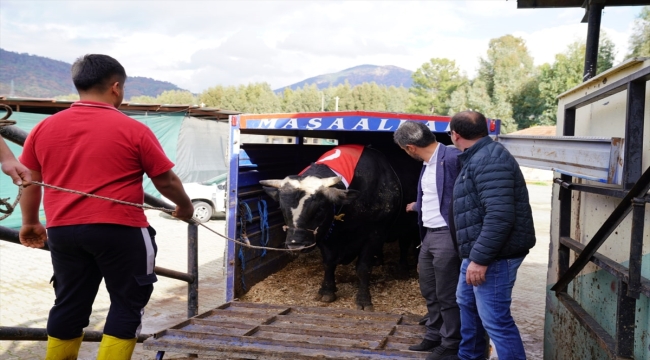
(471, 125)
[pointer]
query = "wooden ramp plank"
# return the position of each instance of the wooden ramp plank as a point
(238, 330)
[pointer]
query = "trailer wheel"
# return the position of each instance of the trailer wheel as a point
(202, 211)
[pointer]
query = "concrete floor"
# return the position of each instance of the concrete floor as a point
(26, 295)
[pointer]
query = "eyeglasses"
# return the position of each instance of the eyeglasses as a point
(449, 132)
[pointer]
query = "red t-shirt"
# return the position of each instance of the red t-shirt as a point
(94, 148)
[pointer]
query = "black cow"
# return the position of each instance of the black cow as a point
(345, 223)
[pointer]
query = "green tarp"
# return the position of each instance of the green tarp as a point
(198, 144)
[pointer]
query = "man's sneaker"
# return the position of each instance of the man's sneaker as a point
(425, 345)
(441, 352)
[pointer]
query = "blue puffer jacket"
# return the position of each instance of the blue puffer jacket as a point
(492, 213)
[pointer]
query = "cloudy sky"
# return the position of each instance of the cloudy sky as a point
(200, 44)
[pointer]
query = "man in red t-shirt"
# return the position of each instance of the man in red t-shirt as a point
(94, 148)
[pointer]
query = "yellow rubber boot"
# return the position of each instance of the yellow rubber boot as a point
(58, 349)
(112, 348)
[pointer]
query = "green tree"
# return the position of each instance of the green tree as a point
(224, 97)
(640, 38)
(470, 96)
(527, 104)
(143, 99)
(433, 84)
(397, 99)
(344, 93)
(177, 97)
(69, 97)
(307, 99)
(505, 71)
(369, 97)
(260, 99)
(289, 99)
(565, 73)
(606, 53)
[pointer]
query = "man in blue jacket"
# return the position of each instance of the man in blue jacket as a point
(494, 230)
(438, 262)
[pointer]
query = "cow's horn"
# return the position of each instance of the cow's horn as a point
(272, 183)
(327, 182)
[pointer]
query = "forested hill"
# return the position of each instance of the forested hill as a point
(382, 75)
(37, 76)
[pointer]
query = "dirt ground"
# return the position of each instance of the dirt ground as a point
(304, 275)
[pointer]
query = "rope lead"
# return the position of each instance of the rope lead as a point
(169, 211)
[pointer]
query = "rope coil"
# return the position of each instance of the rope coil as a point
(10, 207)
(3, 120)
(264, 224)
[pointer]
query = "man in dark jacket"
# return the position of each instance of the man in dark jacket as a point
(438, 262)
(494, 230)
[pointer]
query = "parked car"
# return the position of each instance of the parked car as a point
(208, 197)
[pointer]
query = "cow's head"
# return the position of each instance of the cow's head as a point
(307, 205)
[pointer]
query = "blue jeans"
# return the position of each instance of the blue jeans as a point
(487, 308)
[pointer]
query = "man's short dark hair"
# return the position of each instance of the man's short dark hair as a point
(469, 124)
(413, 133)
(96, 71)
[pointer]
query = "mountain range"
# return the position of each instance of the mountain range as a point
(25, 75)
(388, 75)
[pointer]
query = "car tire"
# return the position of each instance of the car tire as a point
(202, 211)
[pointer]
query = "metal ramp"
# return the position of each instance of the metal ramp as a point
(238, 330)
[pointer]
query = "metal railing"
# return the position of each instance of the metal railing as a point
(633, 192)
(18, 136)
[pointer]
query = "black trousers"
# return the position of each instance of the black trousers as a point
(82, 255)
(439, 267)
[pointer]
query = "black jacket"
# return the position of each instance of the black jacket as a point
(492, 213)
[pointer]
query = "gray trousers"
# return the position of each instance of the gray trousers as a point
(439, 268)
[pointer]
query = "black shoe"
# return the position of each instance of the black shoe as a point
(442, 352)
(451, 357)
(425, 345)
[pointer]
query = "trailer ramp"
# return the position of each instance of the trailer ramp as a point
(238, 330)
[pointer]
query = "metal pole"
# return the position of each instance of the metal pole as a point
(593, 35)
(564, 254)
(11, 235)
(193, 270)
(39, 334)
(336, 107)
(13, 134)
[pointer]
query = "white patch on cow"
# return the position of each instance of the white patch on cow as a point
(310, 186)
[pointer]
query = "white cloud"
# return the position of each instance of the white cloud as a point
(544, 44)
(199, 44)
